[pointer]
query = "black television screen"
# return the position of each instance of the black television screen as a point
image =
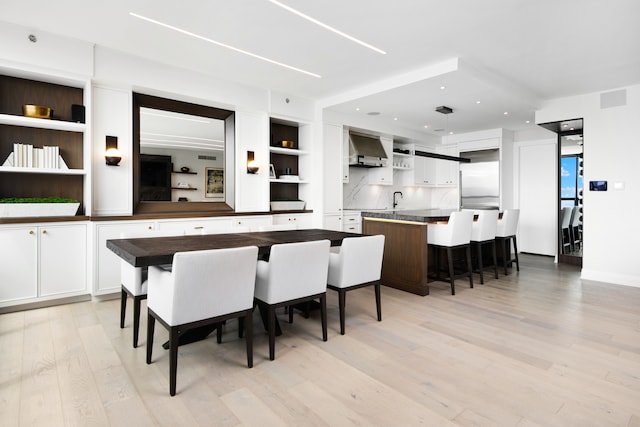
(155, 171)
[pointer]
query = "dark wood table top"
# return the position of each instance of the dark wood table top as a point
(146, 251)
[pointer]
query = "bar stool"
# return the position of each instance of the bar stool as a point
(505, 232)
(455, 234)
(565, 225)
(483, 231)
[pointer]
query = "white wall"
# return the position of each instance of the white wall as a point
(611, 152)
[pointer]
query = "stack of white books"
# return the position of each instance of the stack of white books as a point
(28, 156)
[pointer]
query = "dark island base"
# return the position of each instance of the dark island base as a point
(404, 265)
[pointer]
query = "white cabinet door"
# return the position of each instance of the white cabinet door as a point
(253, 222)
(107, 273)
(333, 222)
(195, 226)
(352, 222)
(447, 171)
(333, 168)
(63, 259)
(18, 252)
(424, 169)
(300, 220)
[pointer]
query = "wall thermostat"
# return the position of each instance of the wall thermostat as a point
(597, 185)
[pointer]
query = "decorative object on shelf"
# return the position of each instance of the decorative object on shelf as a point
(183, 185)
(77, 113)
(290, 177)
(28, 156)
(183, 199)
(252, 165)
(272, 172)
(37, 111)
(287, 144)
(287, 205)
(23, 207)
(112, 155)
(214, 183)
(184, 169)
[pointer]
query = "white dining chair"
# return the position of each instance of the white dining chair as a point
(506, 233)
(357, 264)
(455, 234)
(203, 288)
(483, 232)
(133, 281)
(295, 273)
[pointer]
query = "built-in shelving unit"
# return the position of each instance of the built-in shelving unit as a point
(60, 130)
(285, 161)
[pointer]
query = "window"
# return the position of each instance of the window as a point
(570, 180)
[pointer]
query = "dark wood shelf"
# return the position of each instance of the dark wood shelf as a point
(186, 173)
(187, 189)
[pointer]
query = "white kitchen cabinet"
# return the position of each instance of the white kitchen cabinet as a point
(107, 272)
(447, 171)
(43, 261)
(300, 220)
(195, 225)
(253, 222)
(424, 170)
(333, 168)
(352, 222)
(333, 222)
(383, 175)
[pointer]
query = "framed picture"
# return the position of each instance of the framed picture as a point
(214, 183)
(272, 172)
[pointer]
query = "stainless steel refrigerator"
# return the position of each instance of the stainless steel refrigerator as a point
(480, 180)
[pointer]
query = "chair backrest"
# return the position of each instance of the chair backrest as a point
(131, 277)
(508, 225)
(277, 227)
(457, 231)
(566, 217)
(358, 261)
(295, 270)
(575, 216)
(208, 283)
(484, 228)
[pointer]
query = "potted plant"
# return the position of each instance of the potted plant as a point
(20, 207)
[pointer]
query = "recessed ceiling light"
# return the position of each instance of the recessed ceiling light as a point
(571, 129)
(443, 87)
(357, 108)
(506, 113)
(477, 102)
(395, 118)
(328, 27)
(426, 126)
(565, 125)
(374, 113)
(253, 55)
(451, 133)
(528, 121)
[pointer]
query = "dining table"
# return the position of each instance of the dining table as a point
(159, 251)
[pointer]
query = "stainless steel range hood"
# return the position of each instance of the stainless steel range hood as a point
(366, 151)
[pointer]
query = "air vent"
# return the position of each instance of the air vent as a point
(201, 157)
(444, 110)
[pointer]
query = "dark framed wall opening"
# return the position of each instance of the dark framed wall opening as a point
(176, 198)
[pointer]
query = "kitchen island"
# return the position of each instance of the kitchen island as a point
(405, 261)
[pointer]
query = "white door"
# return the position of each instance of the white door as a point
(538, 198)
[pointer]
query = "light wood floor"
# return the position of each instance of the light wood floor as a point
(538, 348)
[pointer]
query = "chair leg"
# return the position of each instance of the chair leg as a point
(451, 271)
(437, 252)
(342, 296)
(249, 339)
(241, 327)
(151, 323)
(123, 306)
(271, 321)
(323, 315)
(469, 266)
(219, 333)
(515, 250)
(136, 319)
(290, 311)
(495, 257)
(378, 305)
(480, 262)
(504, 255)
(173, 360)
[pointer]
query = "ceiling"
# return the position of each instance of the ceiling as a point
(491, 56)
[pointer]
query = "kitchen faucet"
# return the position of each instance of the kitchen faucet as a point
(394, 198)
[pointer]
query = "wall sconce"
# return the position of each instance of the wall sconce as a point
(252, 165)
(112, 155)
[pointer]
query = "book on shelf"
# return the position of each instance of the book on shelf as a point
(28, 156)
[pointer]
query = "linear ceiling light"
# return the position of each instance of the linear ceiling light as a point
(328, 27)
(171, 27)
